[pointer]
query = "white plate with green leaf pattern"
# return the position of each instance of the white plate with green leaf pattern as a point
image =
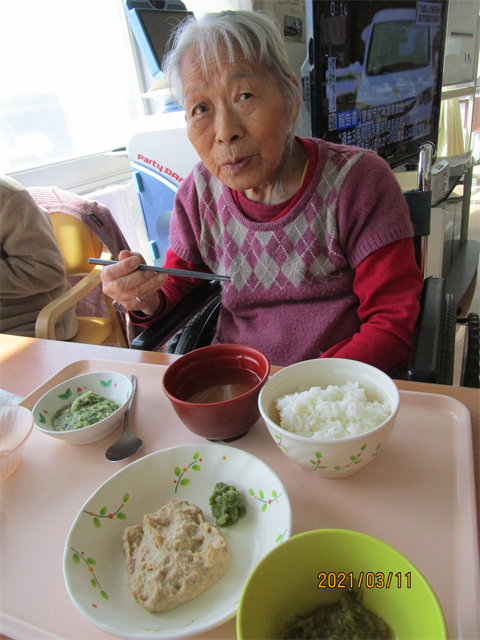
(94, 563)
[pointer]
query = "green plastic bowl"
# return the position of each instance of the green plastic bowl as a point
(286, 582)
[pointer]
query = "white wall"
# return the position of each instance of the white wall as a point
(296, 50)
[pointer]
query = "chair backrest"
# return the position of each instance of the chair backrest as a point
(77, 243)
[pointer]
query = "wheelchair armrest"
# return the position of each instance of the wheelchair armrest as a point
(156, 336)
(433, 351)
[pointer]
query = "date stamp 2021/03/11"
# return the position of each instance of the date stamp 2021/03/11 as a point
(369, 579)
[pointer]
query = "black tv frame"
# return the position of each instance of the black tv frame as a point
(359, 14)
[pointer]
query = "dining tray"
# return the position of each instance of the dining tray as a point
(418, 496)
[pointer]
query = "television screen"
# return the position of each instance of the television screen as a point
(152, 24)
(158, 26)
(376, 74)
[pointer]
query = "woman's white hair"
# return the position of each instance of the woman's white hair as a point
(254, 34)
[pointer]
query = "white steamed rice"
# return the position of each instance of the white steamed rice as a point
(331, 413)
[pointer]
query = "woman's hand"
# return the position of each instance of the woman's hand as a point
(133, 289)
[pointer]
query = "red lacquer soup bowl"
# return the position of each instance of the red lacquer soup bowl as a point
(214, 390)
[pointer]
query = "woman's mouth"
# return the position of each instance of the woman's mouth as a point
(236, 166)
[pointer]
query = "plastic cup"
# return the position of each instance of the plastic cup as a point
(16, 424)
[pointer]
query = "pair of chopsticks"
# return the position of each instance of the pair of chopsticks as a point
(173, 272)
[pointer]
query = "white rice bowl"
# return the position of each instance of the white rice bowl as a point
(331, 413)
(332, 416)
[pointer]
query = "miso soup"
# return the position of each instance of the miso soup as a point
(222, 385)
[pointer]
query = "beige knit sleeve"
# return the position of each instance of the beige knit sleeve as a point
(31, 261)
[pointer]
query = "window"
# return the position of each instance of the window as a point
(68, 83)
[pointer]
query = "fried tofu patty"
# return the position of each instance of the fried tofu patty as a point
(173, 556)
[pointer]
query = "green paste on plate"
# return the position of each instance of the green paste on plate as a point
(227, 505)
(85, 410)
(347, 619)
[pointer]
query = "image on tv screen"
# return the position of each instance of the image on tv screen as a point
(379, 67)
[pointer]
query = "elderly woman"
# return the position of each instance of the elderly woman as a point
(315, 237)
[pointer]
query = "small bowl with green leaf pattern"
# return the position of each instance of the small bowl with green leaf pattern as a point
(77, 396)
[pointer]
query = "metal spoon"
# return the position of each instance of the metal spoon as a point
(127, 444)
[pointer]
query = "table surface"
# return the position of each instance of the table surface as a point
(26, 363)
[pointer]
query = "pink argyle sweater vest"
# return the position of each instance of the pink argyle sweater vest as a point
(291, 291)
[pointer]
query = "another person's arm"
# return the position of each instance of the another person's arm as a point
(30, 260)
(31, 264)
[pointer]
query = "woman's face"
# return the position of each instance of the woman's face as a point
(237, 120)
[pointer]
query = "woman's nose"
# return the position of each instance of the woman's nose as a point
(228, 125)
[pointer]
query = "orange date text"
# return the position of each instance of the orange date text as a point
(369, 580)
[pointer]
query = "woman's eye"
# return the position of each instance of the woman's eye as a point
(199, 109)
(246, 95)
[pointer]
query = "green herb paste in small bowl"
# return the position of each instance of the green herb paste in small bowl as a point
(85, 410)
